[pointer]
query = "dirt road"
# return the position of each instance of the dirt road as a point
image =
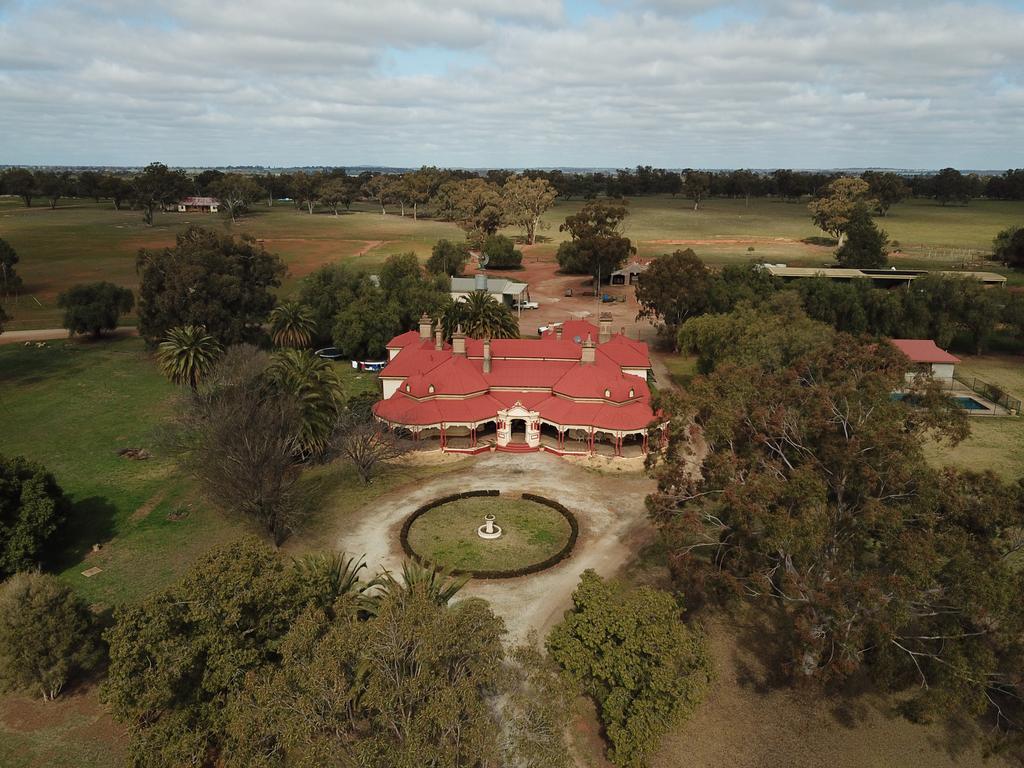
(609, 507)
(53, 334)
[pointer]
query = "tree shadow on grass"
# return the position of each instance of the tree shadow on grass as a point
(34, 365)
(90, 521)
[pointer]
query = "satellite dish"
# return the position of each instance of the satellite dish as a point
(482, 260)
(577, 339)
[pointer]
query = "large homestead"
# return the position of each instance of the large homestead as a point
(579, 389)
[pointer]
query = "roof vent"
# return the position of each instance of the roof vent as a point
(607, 393)
(430, 389)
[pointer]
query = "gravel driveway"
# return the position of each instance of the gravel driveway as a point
(608, 505)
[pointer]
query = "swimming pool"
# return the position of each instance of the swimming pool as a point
(970, 404)
(964, 401)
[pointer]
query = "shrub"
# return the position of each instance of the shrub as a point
(32, 506)
(502, 253)
(448, 258)
(94, 307)
(47, 635)
(630, 652)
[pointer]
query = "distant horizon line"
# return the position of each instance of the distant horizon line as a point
(563, 168)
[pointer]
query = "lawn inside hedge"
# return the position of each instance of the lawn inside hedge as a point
(531, 533)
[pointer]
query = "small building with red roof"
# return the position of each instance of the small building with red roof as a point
(579, 389)
(196, 204)
(927, 357)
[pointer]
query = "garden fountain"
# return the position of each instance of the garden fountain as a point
(488, 530)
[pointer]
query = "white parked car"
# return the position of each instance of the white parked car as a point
(526, 305)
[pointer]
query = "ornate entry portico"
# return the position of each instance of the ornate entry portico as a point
(530, 418)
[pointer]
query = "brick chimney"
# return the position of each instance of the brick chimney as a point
(605, 330)
(459, 342)
(425, 326)
(487, 355)
(558, 332)
(589, 351)
(438, 338)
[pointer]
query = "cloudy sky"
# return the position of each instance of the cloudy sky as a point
(513, 83)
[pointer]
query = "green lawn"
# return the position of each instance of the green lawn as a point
(82, 241)
(531, 532)
(681, 368)
(71, 406)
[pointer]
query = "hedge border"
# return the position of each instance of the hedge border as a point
(543, 565)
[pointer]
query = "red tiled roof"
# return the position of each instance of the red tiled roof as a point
(923, 351)
(404, 339)
(526, 349)
(574, 329)
(455, 376)
(545, 375)
(416, 358)
(399, 409)
(627, 353)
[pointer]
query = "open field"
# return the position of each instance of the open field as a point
(82, 241)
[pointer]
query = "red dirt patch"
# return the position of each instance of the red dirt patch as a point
(148, 506)
(60, 732)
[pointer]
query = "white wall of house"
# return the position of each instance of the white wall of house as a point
(942, 370)
(391, 386)
(638, 372)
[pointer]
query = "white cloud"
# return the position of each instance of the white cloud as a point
(487, 83)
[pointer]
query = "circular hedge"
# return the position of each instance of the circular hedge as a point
(536, 567)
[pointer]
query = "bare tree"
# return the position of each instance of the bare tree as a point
(363, 442)
(237, 436)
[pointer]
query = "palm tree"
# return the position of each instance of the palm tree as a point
(292, 325)
(312, 381)
(480, 317)
(188, 354)
(429, 578)
(328, 577)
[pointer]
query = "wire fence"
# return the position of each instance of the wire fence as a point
(991, 392)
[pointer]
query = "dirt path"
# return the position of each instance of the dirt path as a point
(608, 505)
(53, 334)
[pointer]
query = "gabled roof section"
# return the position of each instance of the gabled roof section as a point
(455, 376)
(404, 340)
(625, 352)
(923, 351)
(497, 285)
(416, 358)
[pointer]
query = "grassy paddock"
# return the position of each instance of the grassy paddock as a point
(531, 533)
(82, 241)
(71, 406)
(995, 443)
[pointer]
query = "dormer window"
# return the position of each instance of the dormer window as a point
(632, 393)
(607, 393)
(430, 389)
(408, 388)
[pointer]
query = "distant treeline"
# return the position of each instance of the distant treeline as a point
(947, 186)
